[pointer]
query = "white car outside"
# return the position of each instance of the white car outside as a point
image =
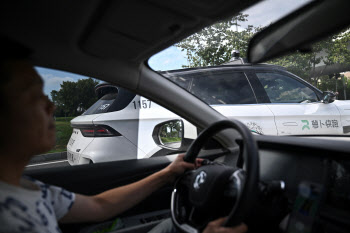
(128, 131)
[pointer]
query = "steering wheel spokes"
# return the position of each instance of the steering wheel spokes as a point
(235, 185)
(216, 190)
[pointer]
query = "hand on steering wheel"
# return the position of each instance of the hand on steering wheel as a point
(216, 190)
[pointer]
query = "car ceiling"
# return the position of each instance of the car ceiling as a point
(93, 37)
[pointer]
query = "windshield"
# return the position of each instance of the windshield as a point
(298, 94)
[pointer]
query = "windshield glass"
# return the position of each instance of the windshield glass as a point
(298, 94)
(213, 45)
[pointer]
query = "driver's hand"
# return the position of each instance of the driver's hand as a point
(216, 227)
(179, 166)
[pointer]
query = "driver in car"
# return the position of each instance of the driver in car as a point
(28, 205)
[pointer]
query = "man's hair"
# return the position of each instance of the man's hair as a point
(10, 50)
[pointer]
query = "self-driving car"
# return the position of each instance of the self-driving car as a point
(272, 183)
(268, 99)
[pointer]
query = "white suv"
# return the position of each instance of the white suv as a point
(268, 99)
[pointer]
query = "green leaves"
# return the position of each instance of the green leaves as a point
(332, 50)
(74, 97)
(213, 45)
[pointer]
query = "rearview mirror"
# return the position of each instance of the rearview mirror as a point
(298, 30)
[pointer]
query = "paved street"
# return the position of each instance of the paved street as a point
(51, 164)
(48, 161)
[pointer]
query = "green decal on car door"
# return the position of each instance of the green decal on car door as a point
(306, 126)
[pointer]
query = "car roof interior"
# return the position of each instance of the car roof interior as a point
(98, 34)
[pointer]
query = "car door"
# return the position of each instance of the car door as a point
(229, 92)
(92, 179)
(344, 109)
(297, 107)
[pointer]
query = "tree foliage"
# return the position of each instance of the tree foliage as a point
(337, 47)
(171, 129)
(329, 51)
(213, 46)
(302, 64)
(74, 97)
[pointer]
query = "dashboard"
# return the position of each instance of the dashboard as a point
(316, 174)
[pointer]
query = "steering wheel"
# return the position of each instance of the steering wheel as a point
(216, 190)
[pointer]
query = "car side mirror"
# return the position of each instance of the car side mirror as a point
(174, 135)
(169, 134)
(328, 97)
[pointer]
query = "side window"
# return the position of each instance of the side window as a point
(283, 89)
(223, 88)
(99, 122)
(181, 80)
